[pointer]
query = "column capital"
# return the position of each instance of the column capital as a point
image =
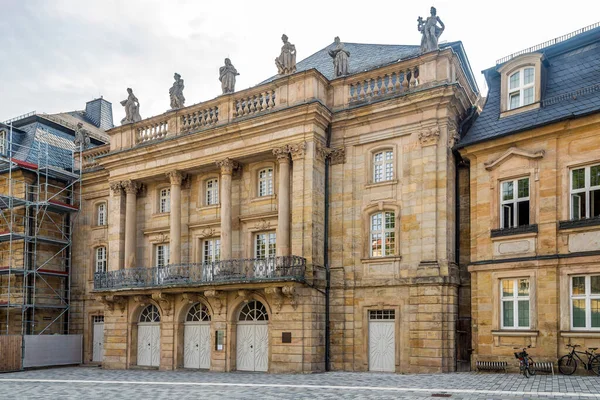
(116, 188)
(297, 150)
(322, 152)
(227, 166)
(282, 153)
(130, 187)
(176, 177)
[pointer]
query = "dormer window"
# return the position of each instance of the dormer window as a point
(521, 88)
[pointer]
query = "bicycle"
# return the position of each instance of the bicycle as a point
(568, 364)
(525, 362)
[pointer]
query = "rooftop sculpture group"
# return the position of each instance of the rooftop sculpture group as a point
(286, 64)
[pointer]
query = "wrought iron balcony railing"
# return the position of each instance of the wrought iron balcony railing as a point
(226, 271)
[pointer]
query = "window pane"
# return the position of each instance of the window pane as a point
(376, 222)
(523, 287)
(514, 80)
(378, 157)
(508, 317)
(578, 206)
(523, 190)
(515, 99)
(507, 190)
(595, 203)
(507, 213)
(389, 171)
(578, 285)
(389, 220)
(524, 313)
(527, 96)
(595, 175)
(595, 313)
(390, 241)
(507, 288)
(578, 178)
(579, 313)
(523, 213)
(389, 155)
(595, 284)
(528, 78)
(376, 245)
(378, 173)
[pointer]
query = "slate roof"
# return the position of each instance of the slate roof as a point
(364, 57)
(571, 90)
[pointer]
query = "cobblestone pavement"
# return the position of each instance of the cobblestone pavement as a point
(96, 383)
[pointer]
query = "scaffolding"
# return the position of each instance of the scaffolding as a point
(40, 197)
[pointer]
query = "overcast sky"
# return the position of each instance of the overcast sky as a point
(58, 54)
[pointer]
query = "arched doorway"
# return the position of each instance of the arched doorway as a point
(253, 337)
(149, 337)
(196, 337)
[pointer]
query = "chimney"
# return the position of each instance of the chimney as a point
(99, 113)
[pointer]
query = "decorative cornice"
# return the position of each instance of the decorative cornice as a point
(175, 177)
(227, 166)
(430, 136)
(130, 187)
(116, 188)
(514, 151)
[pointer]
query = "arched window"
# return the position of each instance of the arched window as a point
(150, 314)
(265, 182)
(383, 234)
(383, 166)
(198, 313)
(101, 214)
(101, 259)
(164, 204)
(521, 88)
(254, 311)
(212, 192)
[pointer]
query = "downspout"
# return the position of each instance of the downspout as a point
(326, 253)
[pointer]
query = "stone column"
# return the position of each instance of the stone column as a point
(116, 227)
(131, 188)
(283, 204)
(227, 166)
(176, 178)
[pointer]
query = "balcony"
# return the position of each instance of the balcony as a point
(199, 274)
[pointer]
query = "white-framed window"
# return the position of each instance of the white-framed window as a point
(515, 303)
(383, 166)
(585, 192)
(162, 255)
(101, 214)
(3, 143)
(383, 234)
(211, 192)
(514, 203)
(101, 259)
(585, 302)
(211, 250)
(521, 88)
(164, 202)
(264, 245)
(265, 182)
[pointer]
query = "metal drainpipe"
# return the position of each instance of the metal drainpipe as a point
(326, 254)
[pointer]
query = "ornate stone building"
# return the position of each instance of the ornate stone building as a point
(534, 155)
(308, 221)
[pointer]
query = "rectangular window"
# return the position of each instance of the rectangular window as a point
(585, 302)
(102, 214)
(383, 234)
(383, 166)
(212, 250)
(521, 88)
(515, 303)
(585, 192)
(212, 192)
(265, 182)
(162, 255)
(264, 245)
(101, 259)
(165, 201)
(514, 203)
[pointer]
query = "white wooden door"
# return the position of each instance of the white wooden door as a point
(149, 344)
(98, 342)
(252, 347)
(196, 349)
(382, 346)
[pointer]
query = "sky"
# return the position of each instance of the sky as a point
(59, 54)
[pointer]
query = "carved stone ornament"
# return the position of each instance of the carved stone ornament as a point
(274, 293)
(159, 238)
(176, 93)
(164, 300)
(244, 294)
(338, 156)
(142, 300)
(130, 187)
(430, 136)
(175, 177)
(282, 153)
(430, 31)
(110, 301)
(322, 152)
(132, 108)
(453, 138)
(297, 150)
(290, 293)
(341, 58)
(227, 166)
(262, 225)
(82, 137)
(190, 298)
(217, 298)
(286, 62)
(207, 232)
(116, 188)
(227, 74)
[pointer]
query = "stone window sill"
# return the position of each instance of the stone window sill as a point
(263, 198)
(380, 260)
(579, 223)
(519, 230)
(378, 184)
(158, 215)
(99, 227)
(581, 334)
(210, 207)
(516, 333)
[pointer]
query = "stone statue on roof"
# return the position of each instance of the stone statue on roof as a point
(176, 93)
(82, 137)
(340, 57)
(227, 74)
(430, 31)
(132, 108)
(286, 62)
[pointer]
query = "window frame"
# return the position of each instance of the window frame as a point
(520, 89)
(384, 231)
(167, 198)
(587, 190)
(213, 191)
(515, 200)
(587, 297)
(270, 189)
(270, 245)
(157, 255)
(214, 248)
(101, 216)
(98, 260)
(385, 163)
(515, 298)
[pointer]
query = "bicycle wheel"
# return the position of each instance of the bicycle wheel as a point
(526, 371)
(567, 365)
(595, 364)
(531, 367)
